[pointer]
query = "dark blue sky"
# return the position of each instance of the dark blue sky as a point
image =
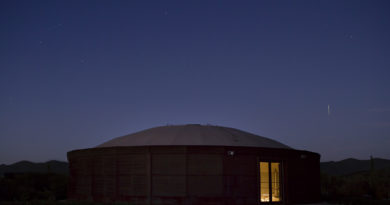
(74, 74)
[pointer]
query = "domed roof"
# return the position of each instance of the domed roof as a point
(193, 134)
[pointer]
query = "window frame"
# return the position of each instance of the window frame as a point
(281, 181)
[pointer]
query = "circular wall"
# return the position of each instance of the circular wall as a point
(194, 174)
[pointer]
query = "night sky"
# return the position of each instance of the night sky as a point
(74, 74)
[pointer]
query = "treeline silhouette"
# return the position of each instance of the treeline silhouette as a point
(33, 186)
(344, 185)
(28, 181)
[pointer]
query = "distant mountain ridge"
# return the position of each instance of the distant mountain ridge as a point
(351, 166)
(52, 166)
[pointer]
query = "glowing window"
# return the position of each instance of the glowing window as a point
(264, 181)
(270, 183)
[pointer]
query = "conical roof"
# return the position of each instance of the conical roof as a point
(193, 134)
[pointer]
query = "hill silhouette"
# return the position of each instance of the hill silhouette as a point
(332, 168)
(351, 166)
(52, 166)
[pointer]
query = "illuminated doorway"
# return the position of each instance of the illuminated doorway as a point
(270, 183)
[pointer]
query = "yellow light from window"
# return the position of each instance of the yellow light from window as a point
(275, 180)
(264, 182)
(270, 188)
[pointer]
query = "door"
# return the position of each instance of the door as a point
(270, 182)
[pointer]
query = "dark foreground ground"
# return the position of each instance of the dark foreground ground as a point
(357, 202)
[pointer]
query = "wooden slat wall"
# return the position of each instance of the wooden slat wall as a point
(187, 174)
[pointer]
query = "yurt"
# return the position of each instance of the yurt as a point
(194, 164)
